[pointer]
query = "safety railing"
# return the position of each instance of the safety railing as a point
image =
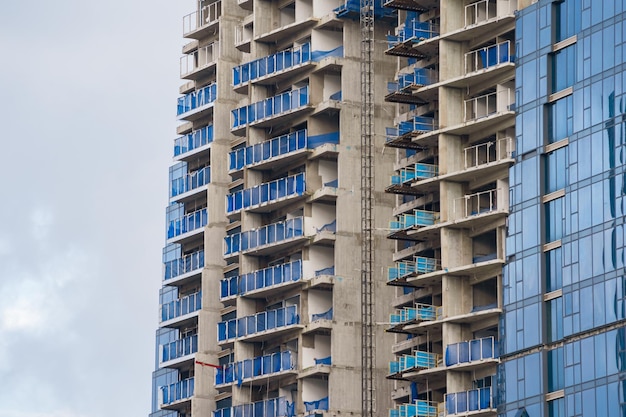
(469, 401)
(414, 31)
(416, 218)
(484, 10)
(265, 235)
(256, 367)
(243, 34)
(415, 172)
(488, 57)
(197, 99)
(190, 181)
(193, 140)
(419, 77)
(477, 203)
(418, 125)
(274, 407)
(418, 408)
(488, 104)
(270, 107)
(471, 351)
(421, 312)
(488, 152)
(177, 391)
(415, 361)
(317, 405)
(199, 59)
(182, 306)
(279, 146)
(188, 263)
(351, 9)
(266, 193)
(179, 348)
(419, 265)
(257, 323)
(187, 223)
(271, 64)
(206, 16)
(263, 278)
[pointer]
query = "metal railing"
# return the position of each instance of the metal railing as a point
(419, 265)
(180, 266)
(468, 401)
(179, 348)
(187, 223)
(265, 235)
(488, 104)
(262, 278)
(260, 322)
(177, 391)
(418, 408)
(419, 77)
(196, 99)
(484, 10)
(271, 64)
(488, 56)
(206, 16)
(477, 203)
(182, 306)
(472, 350)
(421, 312)
(488, 152)
(270, 107)
(415, 172)
(266, 193)
(256, 367)
(416, 218)
(274, 407)
(190, 181)
(193, 140)
(418, 125)
(199, 59)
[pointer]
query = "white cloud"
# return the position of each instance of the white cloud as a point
(41, 222)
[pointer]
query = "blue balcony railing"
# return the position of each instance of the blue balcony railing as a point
(488, 57)
(194, 140)
(351, 9)
(187, 223)
(270, 107)
(182, 306)
(260, 322)
(415, 172)
(419, 265)
(256, 367)
(472, 350)
(416, 360)
(179, 348)
(265, 194)
(414, 31)
(419, 125)
(279, 146)
(266, 235)
(271, 64)
(469, 401)
(177, 391)
(419, 77)
(421, 312)
(197, 99)
(190, 181)
(274, 407)
(262, 278)
(416, 218)
(188, 263)
(317, 405)
(418, 408)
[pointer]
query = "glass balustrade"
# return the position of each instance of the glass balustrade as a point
(182, 306)
(415, 218)
(260, 322)
(470, 351)
(477, 203)
(415, 361)
(418, 408)
(419, 77)
(413, 31)
(187, 223)
(188, 181)
(488, 104)
(352, 8)
(415, 172)
(179, 348)
(489, 56)
(270, 107)
(488, 152)
(274, 407)
(183, 265)
(199, 59)
(271, 64)
(265, 194)
(266, 235)
(419, 265)
(421, 312)
(469, 401)
(418, 125)
(177, 391)
(194, 140)
(206, 16)
(262, 278)
(256, 367)
(483, 10)
(197, 99)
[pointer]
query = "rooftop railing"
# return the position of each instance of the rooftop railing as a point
(179, 348)
(274, 407)
(416, 218)
(477, 203)
(270, 107)
(469, 401)
(182, 306)
(419, 77)
(199, 59)
(266, 193)
(257, 323)
(261, 366)
(471, 351)
(193, 140)
(262, 278)
(265, 235)
(421, 312)
(177, 391)
(483, 10)
(187, 223)
(488, 104)
(488, 152)
(418, 408)
(188, 263)
(415, 172)
(207, 15)
(279, 146)
(489, 56)
(190, 181)
(197, 99)
(419, 265)
(271, 64)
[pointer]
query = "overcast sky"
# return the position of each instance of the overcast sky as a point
(87, 121)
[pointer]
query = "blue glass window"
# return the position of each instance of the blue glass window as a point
(554, 220)
(556, 374)
(554, 311)
(560, 119)
(554, 270)
(568, 19)
(556, 170)
(564, 68)
(556, 408)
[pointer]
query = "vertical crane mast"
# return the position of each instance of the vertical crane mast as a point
(367, 200)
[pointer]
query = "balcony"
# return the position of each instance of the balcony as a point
(267, 112)
(278, 276)
(350, 9)
(473, 353)
(401, 183)
(470, 402)
(398, 274)
(473, 208)
(196, 25)
(266, 196)
(261, 368)
(403, 91)
(200, 61)
(402, 136)
(485, 17)
(256, 240)
(185, 225)
(413, 315)
(500, 101)
(416, 361)
(418, 408)
(413, 40)
(259, 326)
(408, 222)
(177, 393)
(488, 57)
(197, 140)
(194, 105)
(488, 153)
(178, 350)
(188, 182)
(182, 267)
(282, 147)
(184, 306)
(274, 407)
(415, 5)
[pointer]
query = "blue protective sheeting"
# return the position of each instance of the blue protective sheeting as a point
(323, 361)
(321, 404)
(327, 315)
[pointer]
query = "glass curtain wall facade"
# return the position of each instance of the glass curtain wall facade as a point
(563, 336)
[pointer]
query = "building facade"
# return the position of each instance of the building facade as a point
(563, 330)
(260, 304)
